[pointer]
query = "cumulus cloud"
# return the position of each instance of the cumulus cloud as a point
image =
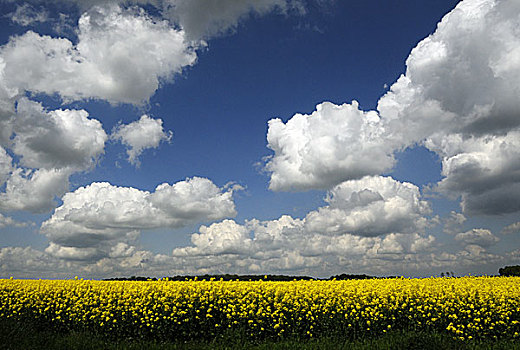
(56, 139)
(96, 218)
(34, 190)
(371, 206)
(454, 222)
(333, 144)
(48, 146)
(6, 166)
(461, 79)
(226, 237)
(283, 245)
(473, 254)
(459, 96)
(8, 96)
(27, 262)
(204, 19)
(73, 253)
(477, 236)
(511, 229)
(121, 56)
(140, 135)
(375, 218)
(484, 171)
(339, 254)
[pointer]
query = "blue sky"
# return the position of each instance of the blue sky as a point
(163, 137)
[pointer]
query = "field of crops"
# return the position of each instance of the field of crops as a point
(467, 308)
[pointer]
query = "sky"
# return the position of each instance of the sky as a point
(297, 137)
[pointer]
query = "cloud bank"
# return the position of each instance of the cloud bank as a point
(371, 218)
(96, 221)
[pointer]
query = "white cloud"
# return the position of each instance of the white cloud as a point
(277, 234)
(49, 146)
(459, 95)
(371, 206)
(85, 5)
(73, 253)
(454, 222)
(96, 218)
(6, 166)
(56, 139)
(27, 262)
(375, 218)
(226, 237)
(205, 18)
(121, 56)
(121, 250)
(462, 78)
(474, 254)
(194, 199)
(333, 144)
(8, 97)
(26, 15)
(285, 246)
(208, 18)
(34, 190)
(484, 171)
(477, 236)
(511, 229)
(391, 255)
(140, 135)
(291, 250)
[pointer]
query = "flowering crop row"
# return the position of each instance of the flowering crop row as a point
(469, 307)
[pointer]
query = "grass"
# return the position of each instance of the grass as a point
(23, 336)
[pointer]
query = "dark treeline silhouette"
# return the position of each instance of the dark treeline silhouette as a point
(510, 271)
(345, 276)
(505, 271)
(233, 277)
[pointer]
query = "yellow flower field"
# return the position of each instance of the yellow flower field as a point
(468, 307)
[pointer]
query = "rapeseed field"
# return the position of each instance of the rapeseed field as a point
(466, 308)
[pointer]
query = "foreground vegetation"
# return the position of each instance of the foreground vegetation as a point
(475, 309)
(23, 337)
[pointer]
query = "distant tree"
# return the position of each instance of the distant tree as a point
(448, 274)
(510, 271)
(345, 276)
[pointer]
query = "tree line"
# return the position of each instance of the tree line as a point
(504, 271)
(235, 277)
